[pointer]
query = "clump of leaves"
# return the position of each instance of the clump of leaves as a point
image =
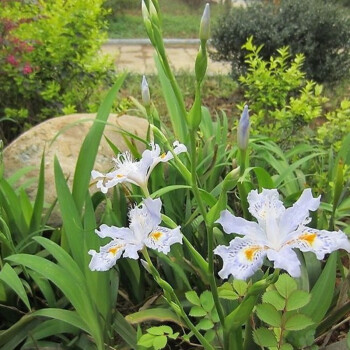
(281, 313)
(50, 63)
(204, 309)
(283, 103)
(336, 127)
(157, 337)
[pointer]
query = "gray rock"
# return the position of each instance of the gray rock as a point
(63, 136)
(340, 345)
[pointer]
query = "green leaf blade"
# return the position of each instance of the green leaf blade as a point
(268, 314)
(193, 298)
(298, 322)
(264, 337)
(297, 300)
(9, 276)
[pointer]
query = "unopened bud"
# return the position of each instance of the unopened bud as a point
(231, 179)
(243, 130)
(144, 263)
(159, 134)
(201, 63)
(146, 98)
(204, 29)
(153, 13)
(145, 12)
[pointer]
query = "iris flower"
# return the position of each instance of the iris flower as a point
(144, 230)
(135, 172)
(275, 235)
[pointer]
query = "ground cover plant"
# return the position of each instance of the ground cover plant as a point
(203, 239)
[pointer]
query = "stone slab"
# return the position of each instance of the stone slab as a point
(139, 58)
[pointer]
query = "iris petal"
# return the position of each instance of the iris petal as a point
(297, 214)
(320, 242)
(234, 224)
(241, 259)
(285, 259)
(108, 255)
(161, 238)
(265, 203)
(113, 232)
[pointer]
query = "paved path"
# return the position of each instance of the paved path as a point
(136, 55)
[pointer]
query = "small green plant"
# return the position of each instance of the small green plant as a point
(283, 102)
(157, 337)
(281, 313)
(204, 309)
(336, 126)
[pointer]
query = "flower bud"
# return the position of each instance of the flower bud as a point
(204, 29)
(159, 134)
(201, 63)
(145, 12)
(144, 263)
(243, 130)
(231, 179)
(146, 98)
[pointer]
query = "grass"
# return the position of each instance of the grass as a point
(179, 20)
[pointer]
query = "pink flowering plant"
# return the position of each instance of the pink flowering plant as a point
(195, 237)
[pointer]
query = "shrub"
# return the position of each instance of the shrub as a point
(318, 29)
(282, 101)
(336, 127)
(49, 60)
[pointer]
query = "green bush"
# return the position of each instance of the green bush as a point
(318, 29)
(332, 132)
(62, 72)
(283, 103)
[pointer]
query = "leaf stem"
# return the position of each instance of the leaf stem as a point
(172, 299)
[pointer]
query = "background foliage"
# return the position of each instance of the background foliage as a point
(50, 61)
(316, 28)
(49, 297)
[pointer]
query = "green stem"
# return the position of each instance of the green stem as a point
(174, 299)
(243, 160)
(209, 229)
(194, 185)
(145, 191)
(212, 282)
(235, 340)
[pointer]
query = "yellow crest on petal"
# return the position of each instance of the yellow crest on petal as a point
(156, 235)
(250, 252)
(308, 237)
(114, 250)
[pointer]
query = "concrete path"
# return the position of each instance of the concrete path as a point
(136, 55)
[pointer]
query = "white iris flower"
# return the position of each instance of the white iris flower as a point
(135, 172)
(274, 236)
(144, 230)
